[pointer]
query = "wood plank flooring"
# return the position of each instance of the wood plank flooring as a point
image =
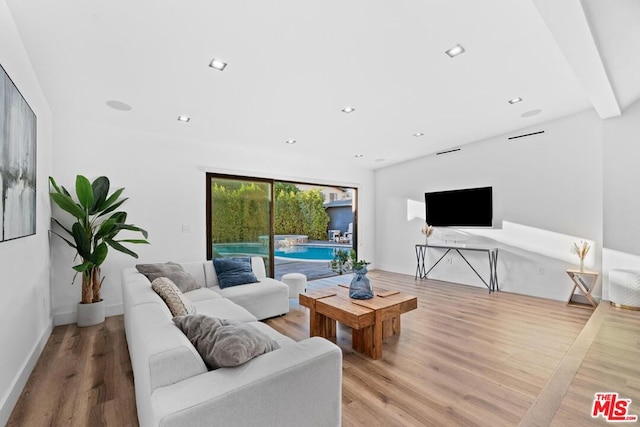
(611, 364)
(464, 358)
(83, 378)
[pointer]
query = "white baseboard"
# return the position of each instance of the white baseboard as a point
(114, 310)
(70, 317)
(10, 399)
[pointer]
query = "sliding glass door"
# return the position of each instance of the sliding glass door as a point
(293, 226)
(239, 218)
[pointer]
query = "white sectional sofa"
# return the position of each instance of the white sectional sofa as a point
(298, 384)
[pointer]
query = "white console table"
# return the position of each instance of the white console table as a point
(492, 253)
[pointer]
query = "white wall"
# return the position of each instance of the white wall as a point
(164, 177)
(621, 142)
(622, 181)
(24, 263)
(547, 192)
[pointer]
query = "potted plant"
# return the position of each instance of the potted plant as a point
(97, 223)
(360, 287)
(341, 261)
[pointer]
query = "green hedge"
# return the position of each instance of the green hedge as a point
(241, 213)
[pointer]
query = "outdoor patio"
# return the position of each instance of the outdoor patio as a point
(312, 269)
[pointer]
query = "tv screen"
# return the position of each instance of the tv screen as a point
(469, 207)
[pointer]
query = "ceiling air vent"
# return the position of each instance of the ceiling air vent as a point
(526, 134)
(448, 151)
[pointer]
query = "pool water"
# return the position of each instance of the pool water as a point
(298, 252)
(240, 249)
(309, 253)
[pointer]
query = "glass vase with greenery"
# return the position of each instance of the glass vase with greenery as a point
(346, 262)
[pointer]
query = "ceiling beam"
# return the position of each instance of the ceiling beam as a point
(567, 23)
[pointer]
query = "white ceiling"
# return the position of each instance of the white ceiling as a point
(293, 65)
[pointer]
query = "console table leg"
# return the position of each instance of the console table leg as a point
(492, 253)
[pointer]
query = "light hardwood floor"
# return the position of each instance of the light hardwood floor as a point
(465, 357)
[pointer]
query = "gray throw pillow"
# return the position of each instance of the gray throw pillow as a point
(233, 271)
(224, 343)
(171, 270)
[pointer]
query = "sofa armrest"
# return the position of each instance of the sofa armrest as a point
(300, 384)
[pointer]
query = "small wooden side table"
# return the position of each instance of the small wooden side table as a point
(584, 281)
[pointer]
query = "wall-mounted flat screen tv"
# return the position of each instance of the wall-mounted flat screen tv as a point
(468, 207)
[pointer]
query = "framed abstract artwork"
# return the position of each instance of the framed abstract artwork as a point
(17, 163)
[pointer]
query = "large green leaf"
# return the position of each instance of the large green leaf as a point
(141, 241)
(131, 227)
(119, 217)
(84, 192)
(118, 247)
(100, 254)
(66, 203)
(100, 188)
(111, 200)
(113, 207)
(143, 231)
(105, 228)
(54, 184)
(83, 241)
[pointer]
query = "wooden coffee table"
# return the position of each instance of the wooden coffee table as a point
(371, 320)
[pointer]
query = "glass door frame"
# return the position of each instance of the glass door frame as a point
(272, 182)
(211, 176)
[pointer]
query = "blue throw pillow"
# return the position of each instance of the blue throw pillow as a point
(233, 271)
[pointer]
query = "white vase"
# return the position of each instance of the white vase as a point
(90, 314)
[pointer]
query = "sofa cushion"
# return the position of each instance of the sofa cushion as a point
(234, 271)
(264, 299)
(196, 270)
(174, 271)
(202, 294)
(211, 278)
(224, 343)
(224, 308)
(171, 295)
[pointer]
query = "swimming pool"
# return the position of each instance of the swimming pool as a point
(308, 252)
(297, 252)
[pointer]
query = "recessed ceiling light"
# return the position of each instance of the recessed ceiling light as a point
(455, 51)
(379, 160)
(185, 119)
(348, 110)
(359, 155)
(118, 105)
(417, 134)
(290, 141)
(515, 100)
(217, 64)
